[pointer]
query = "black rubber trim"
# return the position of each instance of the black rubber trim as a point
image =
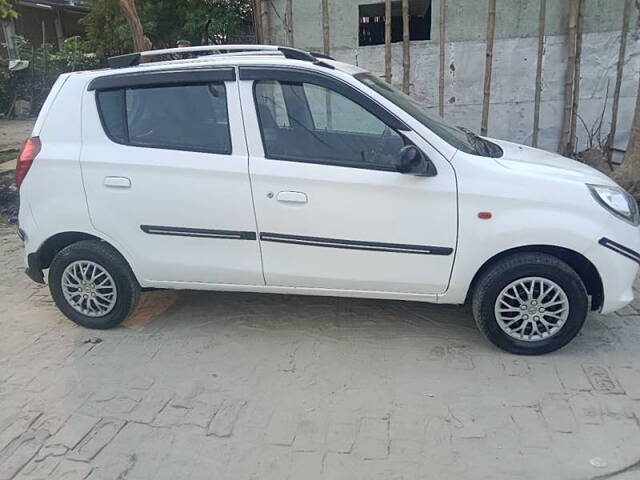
(621, 249)
(198, 232)
(163, 77)
(34, 269)
(300, 75)
(123, 61)
(354, 244)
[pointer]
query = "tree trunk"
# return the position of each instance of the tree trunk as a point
(288, 16)
(538, 90)
(565, 139)
(406, 48)
(326, 38)
(576, 79)
(620, 68)
(491, 23)
(257, 20)
(140, 42)
(628, 174)
(441, 72)
(387, 41)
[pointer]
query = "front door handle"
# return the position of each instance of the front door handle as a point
(292, 197)
(117, 182)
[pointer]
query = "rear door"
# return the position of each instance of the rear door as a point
(332, 210)
(164, 164)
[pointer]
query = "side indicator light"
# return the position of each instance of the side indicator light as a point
(484, 215)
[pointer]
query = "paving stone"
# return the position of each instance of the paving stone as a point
(629, 379)
(558, 415)
(68, 470)
(14, 458)
(602, 380)
(39, 470)
(282, 428)
(572, 376)
(74, 430)
(310, 434)
(222, 424)
(101, 434)
(18, 426)
(532, 428)
(307, 465)
(341, 436)
(373, 438)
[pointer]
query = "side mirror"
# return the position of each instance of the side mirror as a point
(412, 160)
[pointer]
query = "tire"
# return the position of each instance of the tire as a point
(531, 275)
(113, 302)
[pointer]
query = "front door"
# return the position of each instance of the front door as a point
(332, 211)
(165, 169)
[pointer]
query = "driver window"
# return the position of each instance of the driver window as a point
(322, 126)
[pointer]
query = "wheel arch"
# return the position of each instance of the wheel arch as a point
(585, 269)
(41, 259)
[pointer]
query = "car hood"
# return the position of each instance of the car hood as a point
(534, 160)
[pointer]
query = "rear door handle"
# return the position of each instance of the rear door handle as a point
(292, 197)
(117, 182)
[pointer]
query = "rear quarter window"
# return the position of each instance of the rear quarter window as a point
(185, 117)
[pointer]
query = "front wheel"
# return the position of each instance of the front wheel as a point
(530, 303)
(93, 285)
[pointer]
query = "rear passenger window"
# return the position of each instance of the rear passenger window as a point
(187, 117)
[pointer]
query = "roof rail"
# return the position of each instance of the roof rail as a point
(132, 59)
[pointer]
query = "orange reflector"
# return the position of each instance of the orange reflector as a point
(484, 215)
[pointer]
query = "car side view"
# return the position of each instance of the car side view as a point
(269, 169)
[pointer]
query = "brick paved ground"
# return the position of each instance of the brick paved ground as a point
(241, 386)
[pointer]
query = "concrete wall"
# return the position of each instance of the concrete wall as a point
(515, 52)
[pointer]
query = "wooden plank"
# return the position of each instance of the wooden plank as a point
(619, 72)
(406, 48)
(387, 41)
(442, 46)
(565, 146)
(576, 79)
(538, 87)
(326, 38)
(491, 23)
(288, 15)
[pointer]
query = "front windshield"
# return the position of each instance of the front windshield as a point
(456, 137)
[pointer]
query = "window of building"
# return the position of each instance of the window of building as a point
(371, 29)
(186, 117)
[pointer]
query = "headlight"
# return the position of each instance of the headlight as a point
(617, 201)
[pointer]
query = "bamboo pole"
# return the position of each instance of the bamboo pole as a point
(565, 145)
(576, 78)
(538, 88)
(406, 48)
(491, 23)
(257, 20)
(288, 15)
(264, 21)
(387, 41)
(619, 71)
(326, 38)
(442, 45)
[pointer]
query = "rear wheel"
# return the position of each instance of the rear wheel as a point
(93, 285)
(530, 303)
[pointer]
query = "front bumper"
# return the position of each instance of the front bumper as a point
(618, 265)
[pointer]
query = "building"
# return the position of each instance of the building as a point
(43, 21)
(357, 36)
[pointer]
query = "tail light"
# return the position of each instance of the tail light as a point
(30, 148)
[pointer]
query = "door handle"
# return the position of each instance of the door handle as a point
(117, 182)
(292, 197)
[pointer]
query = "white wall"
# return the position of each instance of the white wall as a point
(512, 90)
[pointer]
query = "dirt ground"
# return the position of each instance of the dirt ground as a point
(202, 385)
(14, 132)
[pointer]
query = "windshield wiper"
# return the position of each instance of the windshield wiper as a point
(480, 145)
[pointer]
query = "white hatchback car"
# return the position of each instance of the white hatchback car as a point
(269, 169)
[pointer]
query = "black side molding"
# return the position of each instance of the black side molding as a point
(198, 232)
(163, 77)
(354, 244)
(34, 270)
(621, 249)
